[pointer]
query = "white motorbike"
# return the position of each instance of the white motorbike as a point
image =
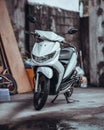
(54, 67)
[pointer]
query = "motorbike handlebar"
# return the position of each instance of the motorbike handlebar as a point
(38, 37)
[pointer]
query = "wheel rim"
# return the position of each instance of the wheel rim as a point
(11, 87)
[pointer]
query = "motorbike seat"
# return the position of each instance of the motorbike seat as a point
(65, 55)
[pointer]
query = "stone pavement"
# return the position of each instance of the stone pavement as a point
(21, 106)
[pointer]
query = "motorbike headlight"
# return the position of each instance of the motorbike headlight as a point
(43, 58)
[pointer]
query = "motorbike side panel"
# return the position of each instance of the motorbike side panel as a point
(71, 65)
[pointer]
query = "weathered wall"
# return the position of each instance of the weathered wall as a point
(54, 19)
(48, 18)
(16, 10)
(96, 22)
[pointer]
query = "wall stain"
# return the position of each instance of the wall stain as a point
(98, 2)
(101, 39)
(99, 11)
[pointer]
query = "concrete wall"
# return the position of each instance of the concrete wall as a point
(49, 18)
(96, 29)
(55, 19)
(16, 10)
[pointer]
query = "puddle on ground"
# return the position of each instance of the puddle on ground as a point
(100, 115)
(71, 125)
(50, 124)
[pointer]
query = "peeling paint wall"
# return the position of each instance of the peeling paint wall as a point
(54, 19)
(17, 16)
(96, 22)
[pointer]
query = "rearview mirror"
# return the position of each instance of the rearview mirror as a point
(72, 30)
(31, 19)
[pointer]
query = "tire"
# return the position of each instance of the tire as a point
(40, 97)
(12, 86)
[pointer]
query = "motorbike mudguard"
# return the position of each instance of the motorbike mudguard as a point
(48, 72)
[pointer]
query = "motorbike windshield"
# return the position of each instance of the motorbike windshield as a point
(49, 35)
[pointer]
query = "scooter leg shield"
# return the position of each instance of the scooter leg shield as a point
(45, 71)
(48, 72)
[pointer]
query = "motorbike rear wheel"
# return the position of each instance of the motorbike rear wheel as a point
(40, 97)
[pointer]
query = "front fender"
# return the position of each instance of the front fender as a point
(48, 72)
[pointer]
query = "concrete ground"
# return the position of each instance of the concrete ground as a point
(85, 103)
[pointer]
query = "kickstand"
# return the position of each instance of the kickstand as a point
(67, 100)
(54, 99)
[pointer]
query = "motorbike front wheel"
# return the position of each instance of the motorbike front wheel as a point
(41, 95)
